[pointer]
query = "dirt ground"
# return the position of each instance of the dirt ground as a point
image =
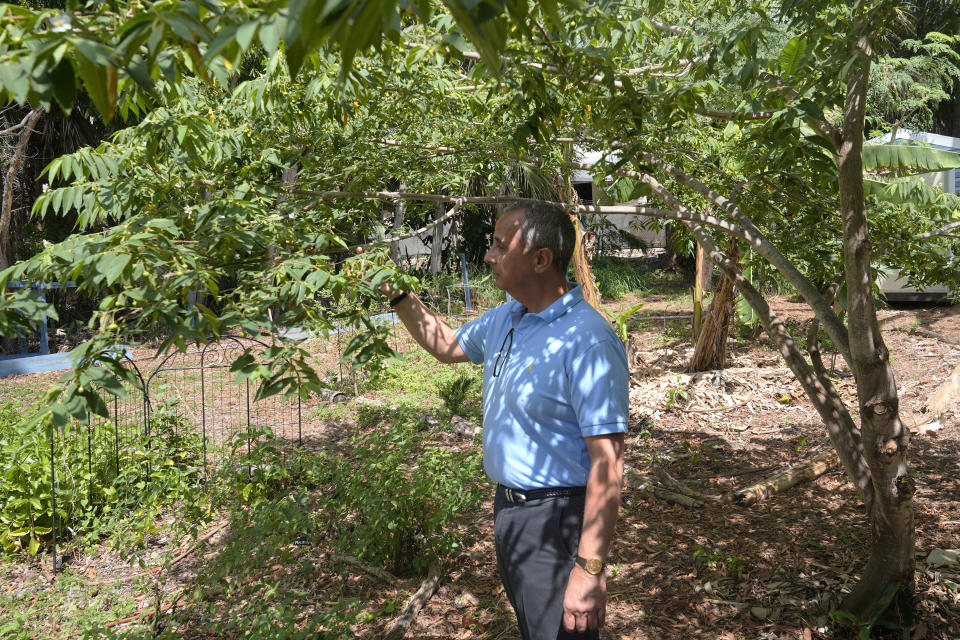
(767, 571)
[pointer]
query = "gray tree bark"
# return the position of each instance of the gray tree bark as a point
(6, 211)
(436, 246)
(397, 223)
(885, 439)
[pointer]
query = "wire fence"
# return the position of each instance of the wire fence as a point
(190, 408)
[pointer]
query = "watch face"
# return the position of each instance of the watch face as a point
(594, 566)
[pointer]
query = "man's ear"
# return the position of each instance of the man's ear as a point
(543, 260)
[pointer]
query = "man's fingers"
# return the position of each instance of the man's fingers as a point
(594, 620)
(569, 622)
(583, 620)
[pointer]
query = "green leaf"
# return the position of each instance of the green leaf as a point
(92, 69)
(913, 191)
(908, 159)
(457, 41)
(270, 33)
(140, 72)
(245, 34)
(111, 265)
(883, 603)
(15, 80)
(107, 380)
(64, 86)
(223, 40)
(92, 51)
(485, 26)
(745, 313)
(844, 617)
(380, 277)
(791, 58)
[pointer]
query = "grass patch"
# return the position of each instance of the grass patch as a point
(70, 606)
(23, 392)
(617, 277)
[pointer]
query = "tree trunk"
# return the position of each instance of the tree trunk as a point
(701, 286)
(885, 439)
(397, 223)
(6, 212)
(844, 433)
(581, 253)
(710, 350)
(581, 267)
(436, 246)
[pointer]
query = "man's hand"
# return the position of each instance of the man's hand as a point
(585, 601)
(387, 289)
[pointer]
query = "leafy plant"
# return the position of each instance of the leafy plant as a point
(457, 391)
(735, 566)
(621, 321)
(617, 277)
(396, 509)
(101, 487)
(879, 617)
(676, 393)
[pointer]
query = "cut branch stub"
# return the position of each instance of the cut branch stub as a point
(789, 477)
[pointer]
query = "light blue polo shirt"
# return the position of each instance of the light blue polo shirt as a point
(563, 378)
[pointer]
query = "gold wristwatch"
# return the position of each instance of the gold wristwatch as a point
(593, 566)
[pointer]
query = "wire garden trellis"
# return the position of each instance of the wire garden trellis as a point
(190, 403)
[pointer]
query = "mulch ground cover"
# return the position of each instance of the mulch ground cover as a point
(771, 570)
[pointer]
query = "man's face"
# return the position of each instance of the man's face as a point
(510, 262)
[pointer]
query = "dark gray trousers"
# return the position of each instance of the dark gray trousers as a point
(536, 544)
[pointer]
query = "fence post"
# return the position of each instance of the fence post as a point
(116, 436)
(90, 462)
(203, 410)
(53, 499)
(146, 420)
(466, 282)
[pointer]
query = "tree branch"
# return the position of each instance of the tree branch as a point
(6, 209)
(734, 116)
(669, 28)
(755, 238)
(843, 435)
(942, 232)
(15, 128)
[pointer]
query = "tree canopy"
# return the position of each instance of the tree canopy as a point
(255, 183)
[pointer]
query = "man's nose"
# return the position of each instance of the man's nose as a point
(487, 258)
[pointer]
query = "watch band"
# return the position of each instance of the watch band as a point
(593, 566)
(400, 298)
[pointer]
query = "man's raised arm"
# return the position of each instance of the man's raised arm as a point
(429, 330)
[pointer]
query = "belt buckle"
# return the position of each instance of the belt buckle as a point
(514, 496)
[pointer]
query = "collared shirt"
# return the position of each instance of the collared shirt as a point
(559, 377)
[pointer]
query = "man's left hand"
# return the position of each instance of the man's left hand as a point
(585, 601)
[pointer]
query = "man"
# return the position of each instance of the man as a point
(554, 414)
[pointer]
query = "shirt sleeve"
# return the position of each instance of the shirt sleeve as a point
(599, 389)
(473, 337)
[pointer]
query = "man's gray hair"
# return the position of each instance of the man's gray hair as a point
(546, 225)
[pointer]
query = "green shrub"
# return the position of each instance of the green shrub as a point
(461, 394)
(617, 277)
(389, 500)
(98, 482)
(392, 500)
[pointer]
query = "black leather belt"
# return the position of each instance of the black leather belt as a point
(519, 496)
